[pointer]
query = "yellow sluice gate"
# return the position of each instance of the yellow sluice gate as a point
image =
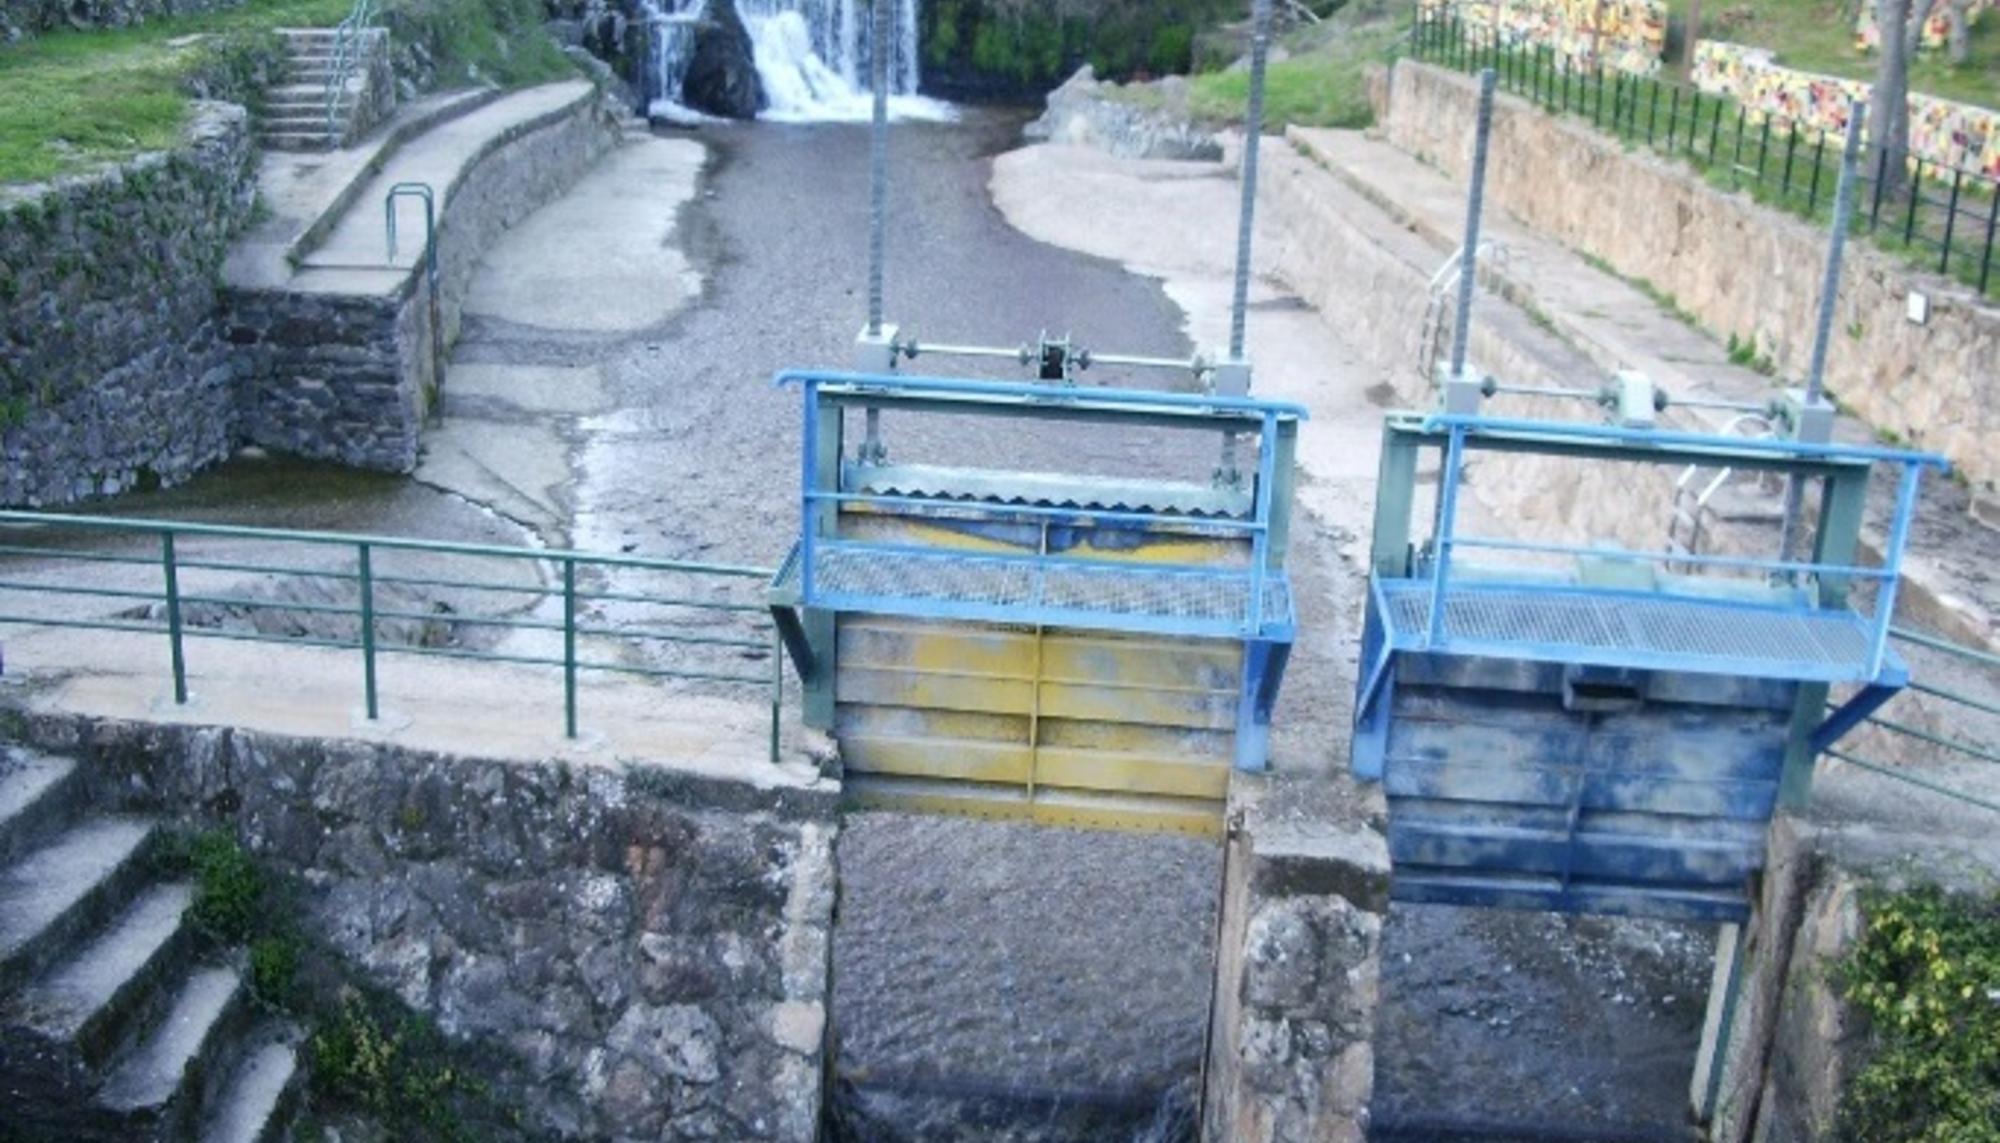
(1078, 652)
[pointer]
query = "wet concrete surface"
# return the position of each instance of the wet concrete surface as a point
(1036, 969)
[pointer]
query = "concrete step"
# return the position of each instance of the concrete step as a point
(296, 141)
(65, 888)
(39, 795)
(292, 124)
(92, 999)
(260, 1094)
(295, 92)
(169, 1062)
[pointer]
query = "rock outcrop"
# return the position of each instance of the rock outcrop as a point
(1089, 112)
(722, 78)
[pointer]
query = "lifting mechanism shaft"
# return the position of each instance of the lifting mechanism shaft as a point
(1081, 649)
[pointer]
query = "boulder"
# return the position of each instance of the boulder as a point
(722, 78)
(1089, 112)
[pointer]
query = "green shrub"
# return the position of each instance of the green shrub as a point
(394, 1067)
(274, 969)
(1173, 50)
(1926, 973)
(229, 895)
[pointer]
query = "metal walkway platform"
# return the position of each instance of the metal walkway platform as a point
(1039, 591)
(1631, 629)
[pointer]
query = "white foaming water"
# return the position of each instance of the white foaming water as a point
(670, 33)
(811, 55)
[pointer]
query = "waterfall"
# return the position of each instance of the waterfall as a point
(813, 57)
(670, 32)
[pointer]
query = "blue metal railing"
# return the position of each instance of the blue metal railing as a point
(1006, 398)
(706, 629)
(1630, 445)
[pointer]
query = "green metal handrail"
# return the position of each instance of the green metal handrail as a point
(1957, 702)
(368, 613)
(346, 52)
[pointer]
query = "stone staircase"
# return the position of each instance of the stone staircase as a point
(295, 112)
(117, 1022)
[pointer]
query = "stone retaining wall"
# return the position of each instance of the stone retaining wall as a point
(645, 952)
(1743, 270)
(111, 372)
(20, 18)
(1298, 964)
(1796, 1044)
(350, 376)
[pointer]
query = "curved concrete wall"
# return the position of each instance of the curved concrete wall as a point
(349, 375)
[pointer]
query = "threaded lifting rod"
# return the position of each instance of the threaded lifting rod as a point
(878, 160)
(1829, 296)
(1468, 264)
(1260, 53)
(872, 449)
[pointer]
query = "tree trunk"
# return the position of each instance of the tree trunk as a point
(1889, 113)
(1961, 31)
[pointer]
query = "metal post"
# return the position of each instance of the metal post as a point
(777, 689)
(1829, 296)
(1951, 222)
(569, 648)
(1916, 193)
(1468, 269)
(1253, 132)
(366, 571)
(1992, 226)
(1899, 538)
(1819, 161)
(878, 165)
(878, 204)
(1227, 474)
(1791, 151)
(173, 585)
(1447, 517)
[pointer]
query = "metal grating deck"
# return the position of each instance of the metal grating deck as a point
(1052, 592)
(1620, 629)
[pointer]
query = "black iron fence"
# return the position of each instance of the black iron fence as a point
(1942, 218)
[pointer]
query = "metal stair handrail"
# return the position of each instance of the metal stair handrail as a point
(346, 52)
(1760, 428)
(1438, 317)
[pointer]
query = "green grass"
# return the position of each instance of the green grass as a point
(1323, 84)
(1818, 35)
(72, 100)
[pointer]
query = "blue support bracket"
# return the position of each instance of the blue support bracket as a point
(1263, 674)
(1856, 710)
(798, 644)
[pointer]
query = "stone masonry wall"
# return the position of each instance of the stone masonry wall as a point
(111, 370)
(647, 949)
(1298, 966)
(20, 18)
(350, 376)
(1743, 270)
